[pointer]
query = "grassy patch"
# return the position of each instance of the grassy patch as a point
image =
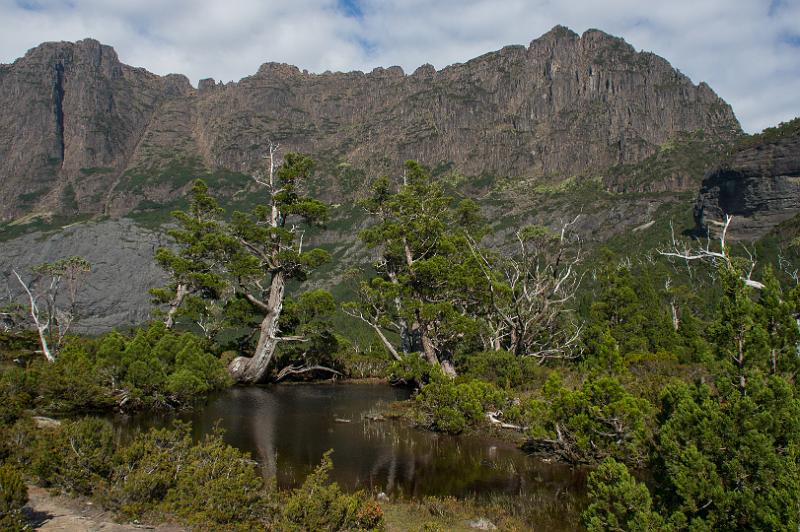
(687, 155)
(771, 134)
(44, 223)
(31, 197)
(96, 170)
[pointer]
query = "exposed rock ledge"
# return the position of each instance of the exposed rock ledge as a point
(760, 187)
(121, 254)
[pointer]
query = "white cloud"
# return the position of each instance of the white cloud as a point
(747, 50)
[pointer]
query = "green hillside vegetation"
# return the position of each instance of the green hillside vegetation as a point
(772, 134)
(687, 157)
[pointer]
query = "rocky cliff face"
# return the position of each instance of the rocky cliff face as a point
(81, 132)
(121, 254)
(72, 116)
(759, 186)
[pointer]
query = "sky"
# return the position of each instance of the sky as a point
(748, 51)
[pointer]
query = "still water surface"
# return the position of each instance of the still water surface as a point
(288, 428)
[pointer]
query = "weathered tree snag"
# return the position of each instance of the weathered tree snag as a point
(42, 325)
(297, 370)
(531, 318)
(712, 256)
(53, 322)
(372, 322)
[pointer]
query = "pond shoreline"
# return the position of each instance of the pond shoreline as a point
(378, 445)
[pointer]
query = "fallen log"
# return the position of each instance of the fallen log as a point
(493, 419)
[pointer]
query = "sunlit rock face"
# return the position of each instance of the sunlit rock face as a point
(81, 132)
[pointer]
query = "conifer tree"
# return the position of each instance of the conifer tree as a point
(196, 265)
(270, 253)
(739, 338)
(777, 318)
(419, 292)
(250, 258)
(619, 502)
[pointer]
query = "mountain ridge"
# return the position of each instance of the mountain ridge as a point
(90, 132)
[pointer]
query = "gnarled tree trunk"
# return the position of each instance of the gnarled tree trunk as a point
(430, 354)
(253, 370)
(181, 292)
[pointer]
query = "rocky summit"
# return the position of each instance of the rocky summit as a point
(83, 133)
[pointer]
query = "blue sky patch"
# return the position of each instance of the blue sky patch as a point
(30, 5)
(792, 39)
(351, 8)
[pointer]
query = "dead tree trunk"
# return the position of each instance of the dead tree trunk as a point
(386, 343)
(42, 323)
(429, 350)
(253, 370)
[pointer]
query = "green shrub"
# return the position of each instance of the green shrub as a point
(413, 369)
(599, 419)
(322, 506)
(210, 485)
(13, 497)
(42, 454)
(71, 384)
(17, 440)
(618, 502)
(74, 457)
(209, 373)
(450, 407)
(156, 368)
(218, 486)
(737, 450)
(16, 392)
(89, 453)
(501, 368)
(145, 375)
(146, 470)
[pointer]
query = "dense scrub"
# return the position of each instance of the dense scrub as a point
(153, 368)
(164, 475)
(13, 496)
(704, 398)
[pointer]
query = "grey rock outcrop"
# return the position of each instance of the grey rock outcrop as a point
(760, 187)
(123, 269)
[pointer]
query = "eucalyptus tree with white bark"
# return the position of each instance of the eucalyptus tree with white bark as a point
(53, 312)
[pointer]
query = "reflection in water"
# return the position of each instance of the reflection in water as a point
(288, 428)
